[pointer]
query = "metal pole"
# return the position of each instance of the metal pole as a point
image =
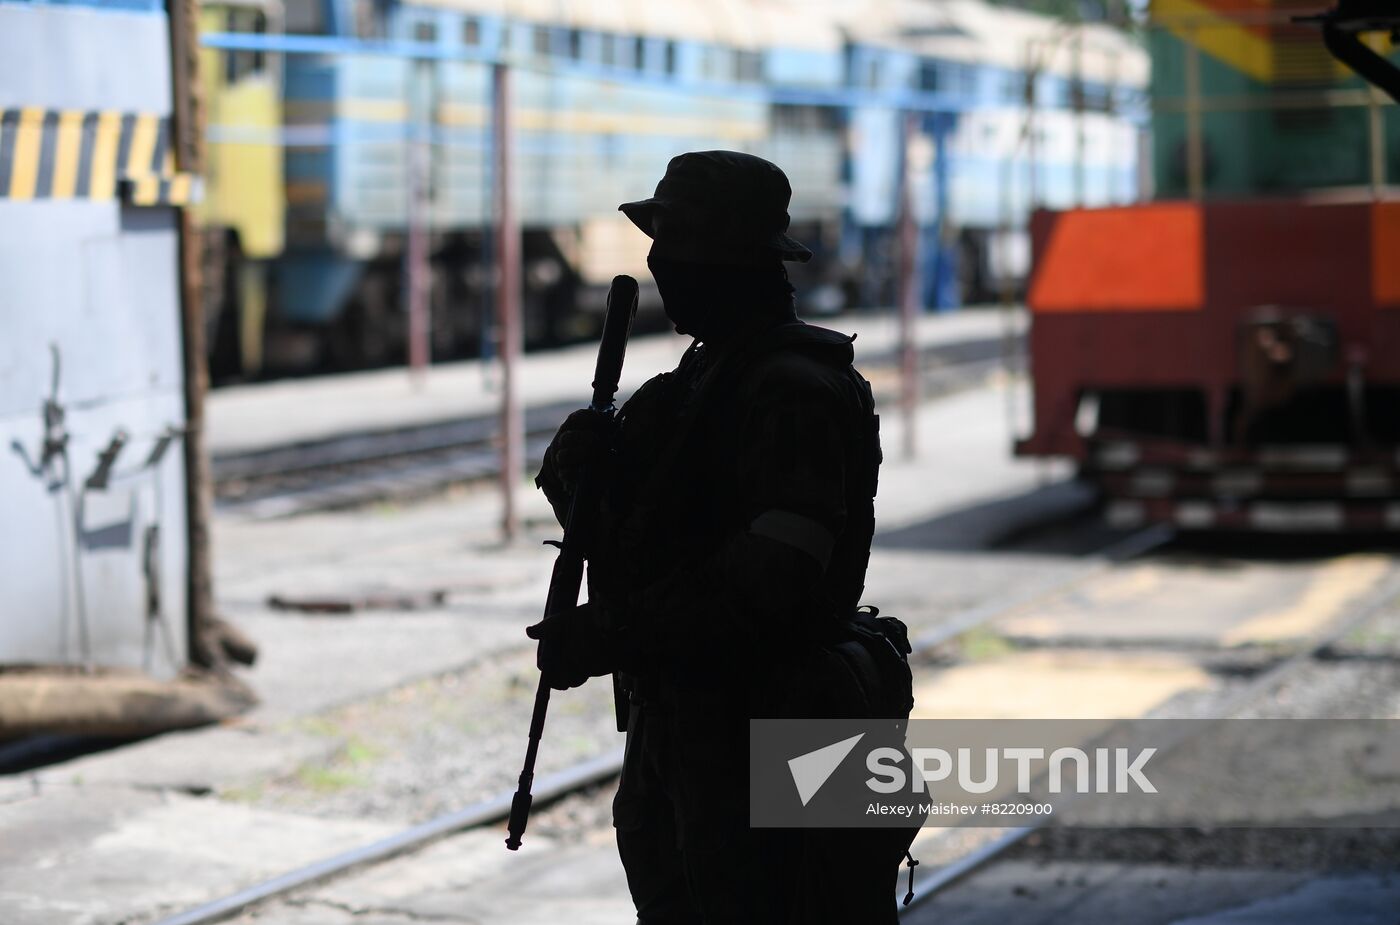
(188, 105)
(1376, 128)
(417, 274)
(1195, 159)
(946, 293)
(1032, 133)
(1079, 138)
(908, 293)
(1110, 110)
(507, 301)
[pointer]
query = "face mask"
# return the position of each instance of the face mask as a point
(707, 301)
(687, 295)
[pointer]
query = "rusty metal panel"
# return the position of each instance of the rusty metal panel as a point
(1262, 260)
(1133, 258)
(1385, 254)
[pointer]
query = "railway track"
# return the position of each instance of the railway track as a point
(400, 464)
(606, 767)
(930, 883)
(1384, 593)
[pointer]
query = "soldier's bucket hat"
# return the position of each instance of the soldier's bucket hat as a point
(732, 204)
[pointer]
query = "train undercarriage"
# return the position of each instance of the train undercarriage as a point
(316, 310)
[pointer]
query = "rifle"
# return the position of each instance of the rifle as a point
(567, 577)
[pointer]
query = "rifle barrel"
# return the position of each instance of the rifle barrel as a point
(567, 578)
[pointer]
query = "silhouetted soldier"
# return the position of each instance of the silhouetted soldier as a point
(732, 554)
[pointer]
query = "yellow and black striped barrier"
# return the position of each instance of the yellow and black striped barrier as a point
(78, 154)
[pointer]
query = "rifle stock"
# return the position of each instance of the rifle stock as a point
(567, 577)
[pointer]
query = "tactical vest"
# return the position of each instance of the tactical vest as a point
(675, 424)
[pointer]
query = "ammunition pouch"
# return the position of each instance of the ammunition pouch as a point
(886, 641)
(859, 670)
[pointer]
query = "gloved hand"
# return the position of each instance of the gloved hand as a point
(582, 440)
(574, 646)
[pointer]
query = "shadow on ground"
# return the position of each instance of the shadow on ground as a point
(1066, 519)
(1061, 518)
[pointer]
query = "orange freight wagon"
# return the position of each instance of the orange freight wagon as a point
(1223, 365)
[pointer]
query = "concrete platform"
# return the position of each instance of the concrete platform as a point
(1059, 685)
(470, 880)
(96, 854)
(140, 795)
(1231, 603)
(1100, 893)
(118, 837)
(473, 880)
(260, 416)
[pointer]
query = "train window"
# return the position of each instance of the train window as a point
(303, 18)
(541, 40)
(609, 49)
(369, 19)
(638, 59)
(471, 31)
(575, 44)
(788, 118)
(872, 73)
(424, 32)
(1013, 87)
(1097, 97)
(670, 56)
(748, 66)
(721, 64)
(928, 76)
(241, 64)
(795, 118)
(958, 78)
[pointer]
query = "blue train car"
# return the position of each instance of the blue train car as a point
(1013, 110)
(601, 103)
(388, 125)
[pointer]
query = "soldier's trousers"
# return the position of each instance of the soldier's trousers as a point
(691, 859)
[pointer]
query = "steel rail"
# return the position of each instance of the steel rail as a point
(1384, 593)
(351, 485)
(597, 770)
(373, 446)
(362, 468)
(552, 787)
(477, 430)
(327, 483)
